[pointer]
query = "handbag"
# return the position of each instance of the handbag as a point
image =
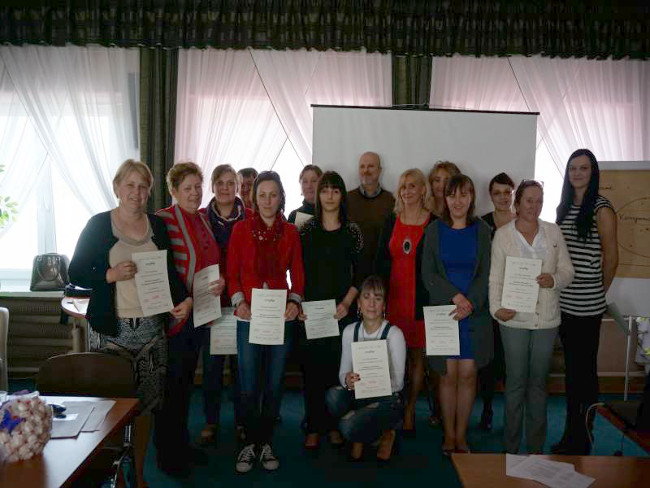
(50, 272)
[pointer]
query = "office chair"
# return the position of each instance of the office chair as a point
(93, 374)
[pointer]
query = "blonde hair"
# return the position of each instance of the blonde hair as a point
(447, 166)
(132, 165)
(420, 178)
(179, 172)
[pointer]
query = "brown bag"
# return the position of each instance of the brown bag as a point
(50, 272)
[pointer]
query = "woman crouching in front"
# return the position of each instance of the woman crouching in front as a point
(366, 420)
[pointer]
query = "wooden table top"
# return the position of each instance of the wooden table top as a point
(489, 471)
(75, 307)
(62, 460)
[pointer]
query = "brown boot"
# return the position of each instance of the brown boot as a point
(356, 451)
(385, 448)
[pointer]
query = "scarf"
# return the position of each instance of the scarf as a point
(222, 226)
(266, 246)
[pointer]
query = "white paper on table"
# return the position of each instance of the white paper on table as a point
(320, 319)
(441, 331)
(550, 473)
(206, 307)
(223, 333)
(513, 460)
(520, 287)
(267, 316)
(97, 416)
(75, 418)
(152, 282)
(370, 362)
(301, 219)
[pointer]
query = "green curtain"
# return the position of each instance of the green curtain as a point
(424, 27)
(411, 80)
(158, 87)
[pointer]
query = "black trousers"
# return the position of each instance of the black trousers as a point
(580, 338)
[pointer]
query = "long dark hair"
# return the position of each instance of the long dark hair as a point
(331, 179)
(585, 218)
(458, 183)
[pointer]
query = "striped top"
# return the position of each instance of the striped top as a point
(585, 296)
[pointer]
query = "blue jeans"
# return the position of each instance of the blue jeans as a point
(213, 383)
(364, 420)
(261, 379)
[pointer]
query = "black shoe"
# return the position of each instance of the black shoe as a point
(486, 420)
(175, 469)
(198, 457)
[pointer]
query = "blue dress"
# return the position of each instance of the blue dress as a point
(458, 252)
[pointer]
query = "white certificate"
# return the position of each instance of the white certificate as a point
(370, 362)
(206, 306)
(152, 282)
(441, 331)
(520, 287)
(223, 333)
(267, 316)
(320, 319)
(301, 218)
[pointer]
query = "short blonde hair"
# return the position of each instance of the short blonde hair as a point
(420, 178)
(447, 166)
(179, 172)
(132, 165)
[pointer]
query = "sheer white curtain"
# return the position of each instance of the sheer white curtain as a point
(253, 108)
(601, 105)
(68, 118)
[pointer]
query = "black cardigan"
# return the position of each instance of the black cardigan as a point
(383, 263)
(90, 263)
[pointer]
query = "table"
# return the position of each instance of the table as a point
(63, 460)
(489, 471)
(77, 308)
(642, 439)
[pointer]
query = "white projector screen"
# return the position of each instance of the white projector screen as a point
(482, 144)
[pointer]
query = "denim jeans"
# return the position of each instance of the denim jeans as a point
(261, 380)
(364, 420)
(213, 383)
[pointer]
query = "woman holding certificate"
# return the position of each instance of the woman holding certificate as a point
(369, 403)
(530, 265)
(261, 251)
(103, 261)
(223, 211)
(195, 250)
(399, 263)
(588, 222)
(331, 246)
(309, 177)
(455, 270)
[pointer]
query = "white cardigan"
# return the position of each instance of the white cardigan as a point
(557, 263)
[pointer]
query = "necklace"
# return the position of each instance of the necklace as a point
(371, 336)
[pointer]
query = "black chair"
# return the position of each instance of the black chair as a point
(94, 374)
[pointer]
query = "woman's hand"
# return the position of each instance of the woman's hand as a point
(123, 271)
(545, 280)
(464, 307)
(341, 310)
(505, 314)
(291, 312)
(182, 310)
(350, 379)
(217, 287)
(243, 311)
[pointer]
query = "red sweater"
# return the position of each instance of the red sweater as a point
(242, 262)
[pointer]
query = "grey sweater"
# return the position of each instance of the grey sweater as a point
(441, 292)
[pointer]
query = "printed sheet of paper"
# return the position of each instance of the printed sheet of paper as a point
(520, 288)
(441, 331)
(152, 282)
(223, 333)
(550, 473)
(301, 218)
(320, 319)
(370, 362)
(98, 414)
(267, 317)
(206, 306)
(73, 419)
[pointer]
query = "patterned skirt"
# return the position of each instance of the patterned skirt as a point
(143, 342)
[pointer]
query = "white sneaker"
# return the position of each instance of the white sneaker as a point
(268, 459)
(245, 459)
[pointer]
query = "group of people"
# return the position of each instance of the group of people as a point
(382, 257)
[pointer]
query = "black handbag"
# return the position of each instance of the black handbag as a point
(50, 272)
